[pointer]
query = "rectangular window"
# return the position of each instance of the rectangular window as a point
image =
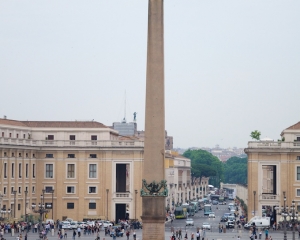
(12, 170)
(94, 137)
(26, 188)
(27, 155)
(33, 189)
(49, 155)
(5, 170)
(33, 170)
(93, 155)
(298, 192)
(24, 136)
(19, 189)
(72, 137)
(92, 189)
(26, 170)
(298, 138)
(13, 154)
(92, 205)
(298, 173)
(20, 154)
(70, 205)
(49, 170)
(298, 157)
(2, 134)
(71, 155)
(71, 170)
(33, 155)
(17, 135)
(20, 170)
(4, 190)
(12, 190)
(5, 154)
(48, 189)
(92, 171)
(50, 137)
(10, 135)
(70, 189)
(19, 206)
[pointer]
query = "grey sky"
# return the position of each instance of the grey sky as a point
(230, 66)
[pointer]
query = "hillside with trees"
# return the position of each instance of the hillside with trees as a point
(204, 164)
(235, 170)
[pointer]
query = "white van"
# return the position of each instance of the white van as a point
(261, 222)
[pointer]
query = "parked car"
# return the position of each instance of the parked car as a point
(206, 225)
(189, 222)
(211, 215)
(90, 223)
(82, 224)
(74, 224)
(106, 224)
(66, 225)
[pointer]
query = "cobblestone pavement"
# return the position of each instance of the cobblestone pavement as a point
(232, 235)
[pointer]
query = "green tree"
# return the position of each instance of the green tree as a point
(255, 135)
(204, 164)
(235, 170)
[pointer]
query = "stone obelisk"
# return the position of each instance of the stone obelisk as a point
(153, 214)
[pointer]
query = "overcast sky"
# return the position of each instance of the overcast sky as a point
(231, 67)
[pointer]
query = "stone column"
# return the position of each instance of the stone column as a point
(154, 213)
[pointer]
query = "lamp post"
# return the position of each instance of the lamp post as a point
(107, 204)
(52, 192)
(41, 210)
(15, 203)
(284, 213)
(135, 203)
(293, 214)
(254, 193)
(26, 192)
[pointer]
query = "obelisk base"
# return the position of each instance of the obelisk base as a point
(153, 218)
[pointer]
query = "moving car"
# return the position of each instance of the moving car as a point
(206, 225)
(229, 224)
(215, 202)
(212, 215)
(189, 222)
(223, 219)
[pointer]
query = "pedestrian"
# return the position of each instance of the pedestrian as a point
(259, 234)
(74, 234)
(186, 236)
(238, 238)
(266, 233)
(127, 234)
(134, 235)
(192, 236)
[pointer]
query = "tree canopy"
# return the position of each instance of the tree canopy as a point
(204, 164)
(255, 135)
(235, 170)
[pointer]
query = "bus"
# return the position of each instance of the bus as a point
(201, 204)
(189, 209)
(195, 205)
(180, 212)
(207, 209)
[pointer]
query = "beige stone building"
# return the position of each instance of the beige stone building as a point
(274, 168)
(93, 172)
(178, 176)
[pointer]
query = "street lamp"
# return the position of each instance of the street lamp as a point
(293, 214)
(52, 192)
(254, 193)
(284, 213)
(26, 192)
(107, 204)
(15, 203)
(41, 210)
(136, 191)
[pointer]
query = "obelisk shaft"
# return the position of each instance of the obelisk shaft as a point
(154, 170)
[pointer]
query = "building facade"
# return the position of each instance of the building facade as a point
(274, 171)
(82, 166)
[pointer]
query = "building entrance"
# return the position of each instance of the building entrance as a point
(121, 212)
